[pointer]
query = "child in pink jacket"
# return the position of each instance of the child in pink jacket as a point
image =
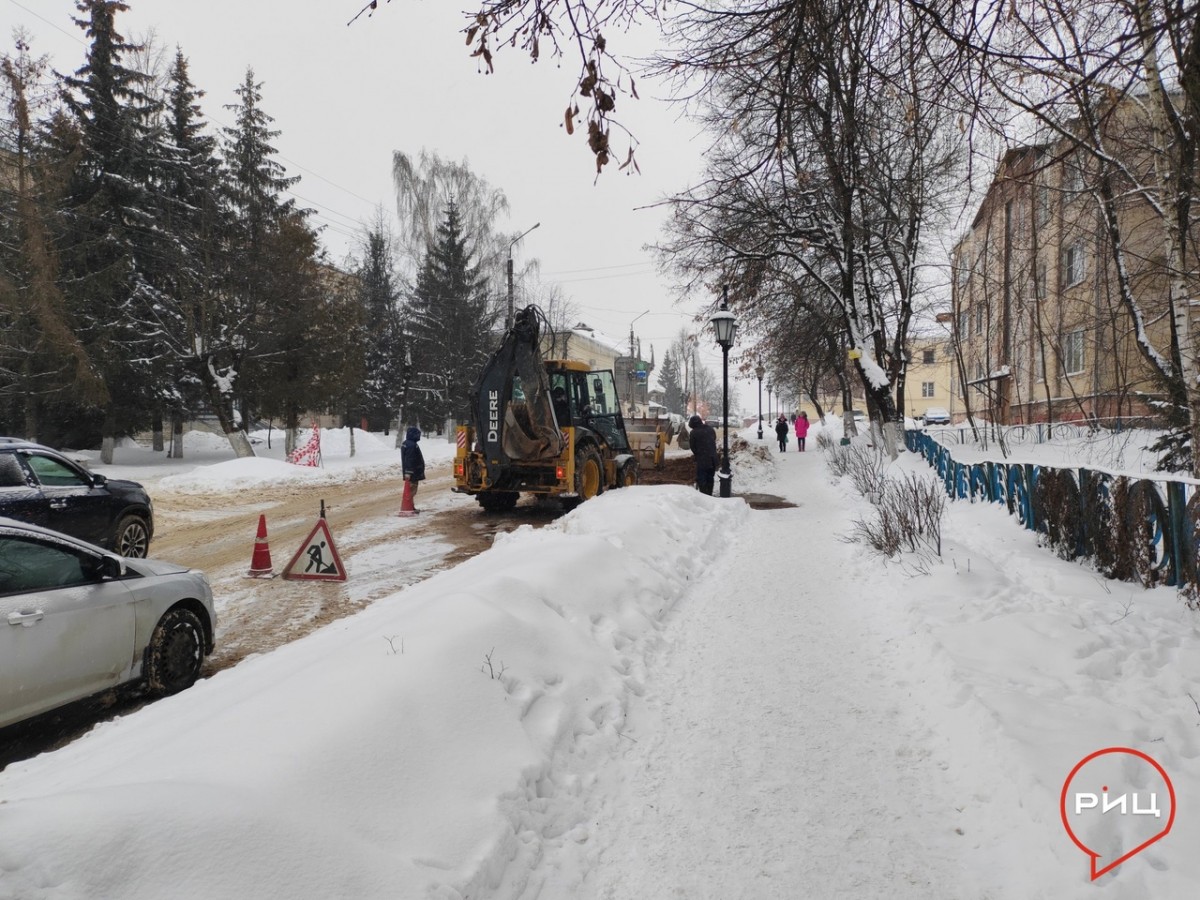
(801, 429)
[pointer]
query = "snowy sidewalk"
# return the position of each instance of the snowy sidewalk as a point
(819, 723)
(777, 758)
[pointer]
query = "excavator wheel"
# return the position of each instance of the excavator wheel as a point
(589, 474)
(497, 501)
(627, 475)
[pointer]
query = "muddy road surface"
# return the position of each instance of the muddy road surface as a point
(381, 551)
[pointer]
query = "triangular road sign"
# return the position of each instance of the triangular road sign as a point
(317, 559)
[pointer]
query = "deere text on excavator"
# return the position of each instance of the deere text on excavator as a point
(551, 428)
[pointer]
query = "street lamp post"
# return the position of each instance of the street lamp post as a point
(769, 407)
(633, 370)
(509, 322)
(725, 326)
(760, 371)
(695, 403)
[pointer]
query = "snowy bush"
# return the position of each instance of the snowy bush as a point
(908, 516)
(907, 510)
(862, 462)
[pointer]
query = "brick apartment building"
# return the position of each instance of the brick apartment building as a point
(1039, 330)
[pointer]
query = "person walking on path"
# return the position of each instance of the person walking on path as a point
(703, 443)
(412, 460)
(801, 429)
(781, 432)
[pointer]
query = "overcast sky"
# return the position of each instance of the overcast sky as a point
(345, 97)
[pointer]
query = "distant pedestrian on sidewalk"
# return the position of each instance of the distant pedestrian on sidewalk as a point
(781, 432)
(801, 429)
(412, 460)
(703, 442)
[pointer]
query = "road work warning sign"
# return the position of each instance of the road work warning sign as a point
(317, 559)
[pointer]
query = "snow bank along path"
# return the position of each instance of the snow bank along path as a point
(429, 743)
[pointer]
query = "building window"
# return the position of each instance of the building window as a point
(979, 371)
(1039, 281)
(1073, 352)
(962, 324)
(927, 357)
(1073, 265)
(927, 389)
(1039, 363)
(979, 318)
(962, 274)
(1043, 204)
(1073, 176)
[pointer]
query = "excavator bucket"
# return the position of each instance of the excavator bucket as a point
(514, 417)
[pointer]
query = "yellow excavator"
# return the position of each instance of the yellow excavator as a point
(549, 428)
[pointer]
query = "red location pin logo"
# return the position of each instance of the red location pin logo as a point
(1112, 797)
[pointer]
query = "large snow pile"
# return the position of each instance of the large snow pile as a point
(431, 733)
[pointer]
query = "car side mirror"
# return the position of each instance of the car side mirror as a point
(99, 480)
(112, 567)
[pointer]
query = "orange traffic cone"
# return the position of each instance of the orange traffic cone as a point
(406, 502)
(260, 564)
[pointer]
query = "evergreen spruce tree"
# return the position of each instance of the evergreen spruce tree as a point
(111, 240)
(307, 360)
(193, 314)
(452, 327)
(40, 357)
(670, 378)
(254, 304)
(381, 332)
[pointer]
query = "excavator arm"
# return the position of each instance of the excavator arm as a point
(512, 413)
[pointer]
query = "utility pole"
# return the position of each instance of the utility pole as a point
(508, 324)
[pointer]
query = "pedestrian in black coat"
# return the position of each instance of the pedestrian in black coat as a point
(781, 432)
(412, 460)
(703, 441)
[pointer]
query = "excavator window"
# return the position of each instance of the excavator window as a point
(598, 398)
(558, 396)
(580, 402)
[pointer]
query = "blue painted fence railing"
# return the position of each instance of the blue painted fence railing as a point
(1134, 529)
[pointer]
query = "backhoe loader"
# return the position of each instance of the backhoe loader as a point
(549, 428)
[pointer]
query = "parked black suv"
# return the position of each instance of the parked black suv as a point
(41, 486)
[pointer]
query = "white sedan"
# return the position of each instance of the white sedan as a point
(78, 620)
(935, 415)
